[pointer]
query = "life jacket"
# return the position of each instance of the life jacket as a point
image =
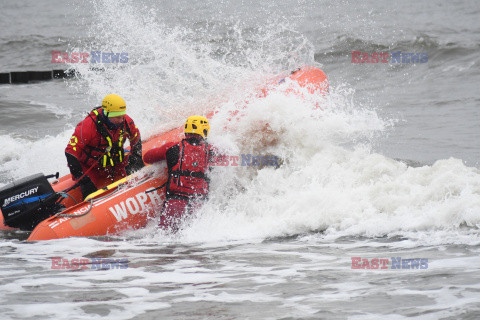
(188, 176)
(109, 145)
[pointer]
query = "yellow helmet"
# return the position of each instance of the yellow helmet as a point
(198, 125)
(114, 106)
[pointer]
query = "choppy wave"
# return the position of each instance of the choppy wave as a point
(30, 52)
(324, 184)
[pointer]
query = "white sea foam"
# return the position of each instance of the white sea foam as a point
(21, 157)
(328, 181)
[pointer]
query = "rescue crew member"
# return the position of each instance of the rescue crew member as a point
(95, 153)
(188, 164)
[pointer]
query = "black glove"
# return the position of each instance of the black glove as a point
(87, 186)
(135, 161)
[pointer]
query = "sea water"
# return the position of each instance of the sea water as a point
(373, 211)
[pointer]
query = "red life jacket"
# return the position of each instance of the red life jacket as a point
(111, 142)
(188, 176)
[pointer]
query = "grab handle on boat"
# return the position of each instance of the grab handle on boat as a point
(56, 175)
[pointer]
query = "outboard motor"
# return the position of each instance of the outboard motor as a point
(28, 201)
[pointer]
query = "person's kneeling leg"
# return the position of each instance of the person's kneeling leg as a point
(172, 214)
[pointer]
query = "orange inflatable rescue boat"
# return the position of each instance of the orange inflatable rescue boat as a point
(55, 210)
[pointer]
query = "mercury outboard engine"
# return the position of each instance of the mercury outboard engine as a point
(28, 201)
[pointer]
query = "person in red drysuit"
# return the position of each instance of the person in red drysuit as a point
(188, 163)
(95, 153)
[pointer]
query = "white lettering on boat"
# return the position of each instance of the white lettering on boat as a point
(142, 198)
(119, 212)
(155, 197)
(134, 205)
(61, 220)
(58, 222)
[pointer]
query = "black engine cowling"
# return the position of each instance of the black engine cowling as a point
(28, 201)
